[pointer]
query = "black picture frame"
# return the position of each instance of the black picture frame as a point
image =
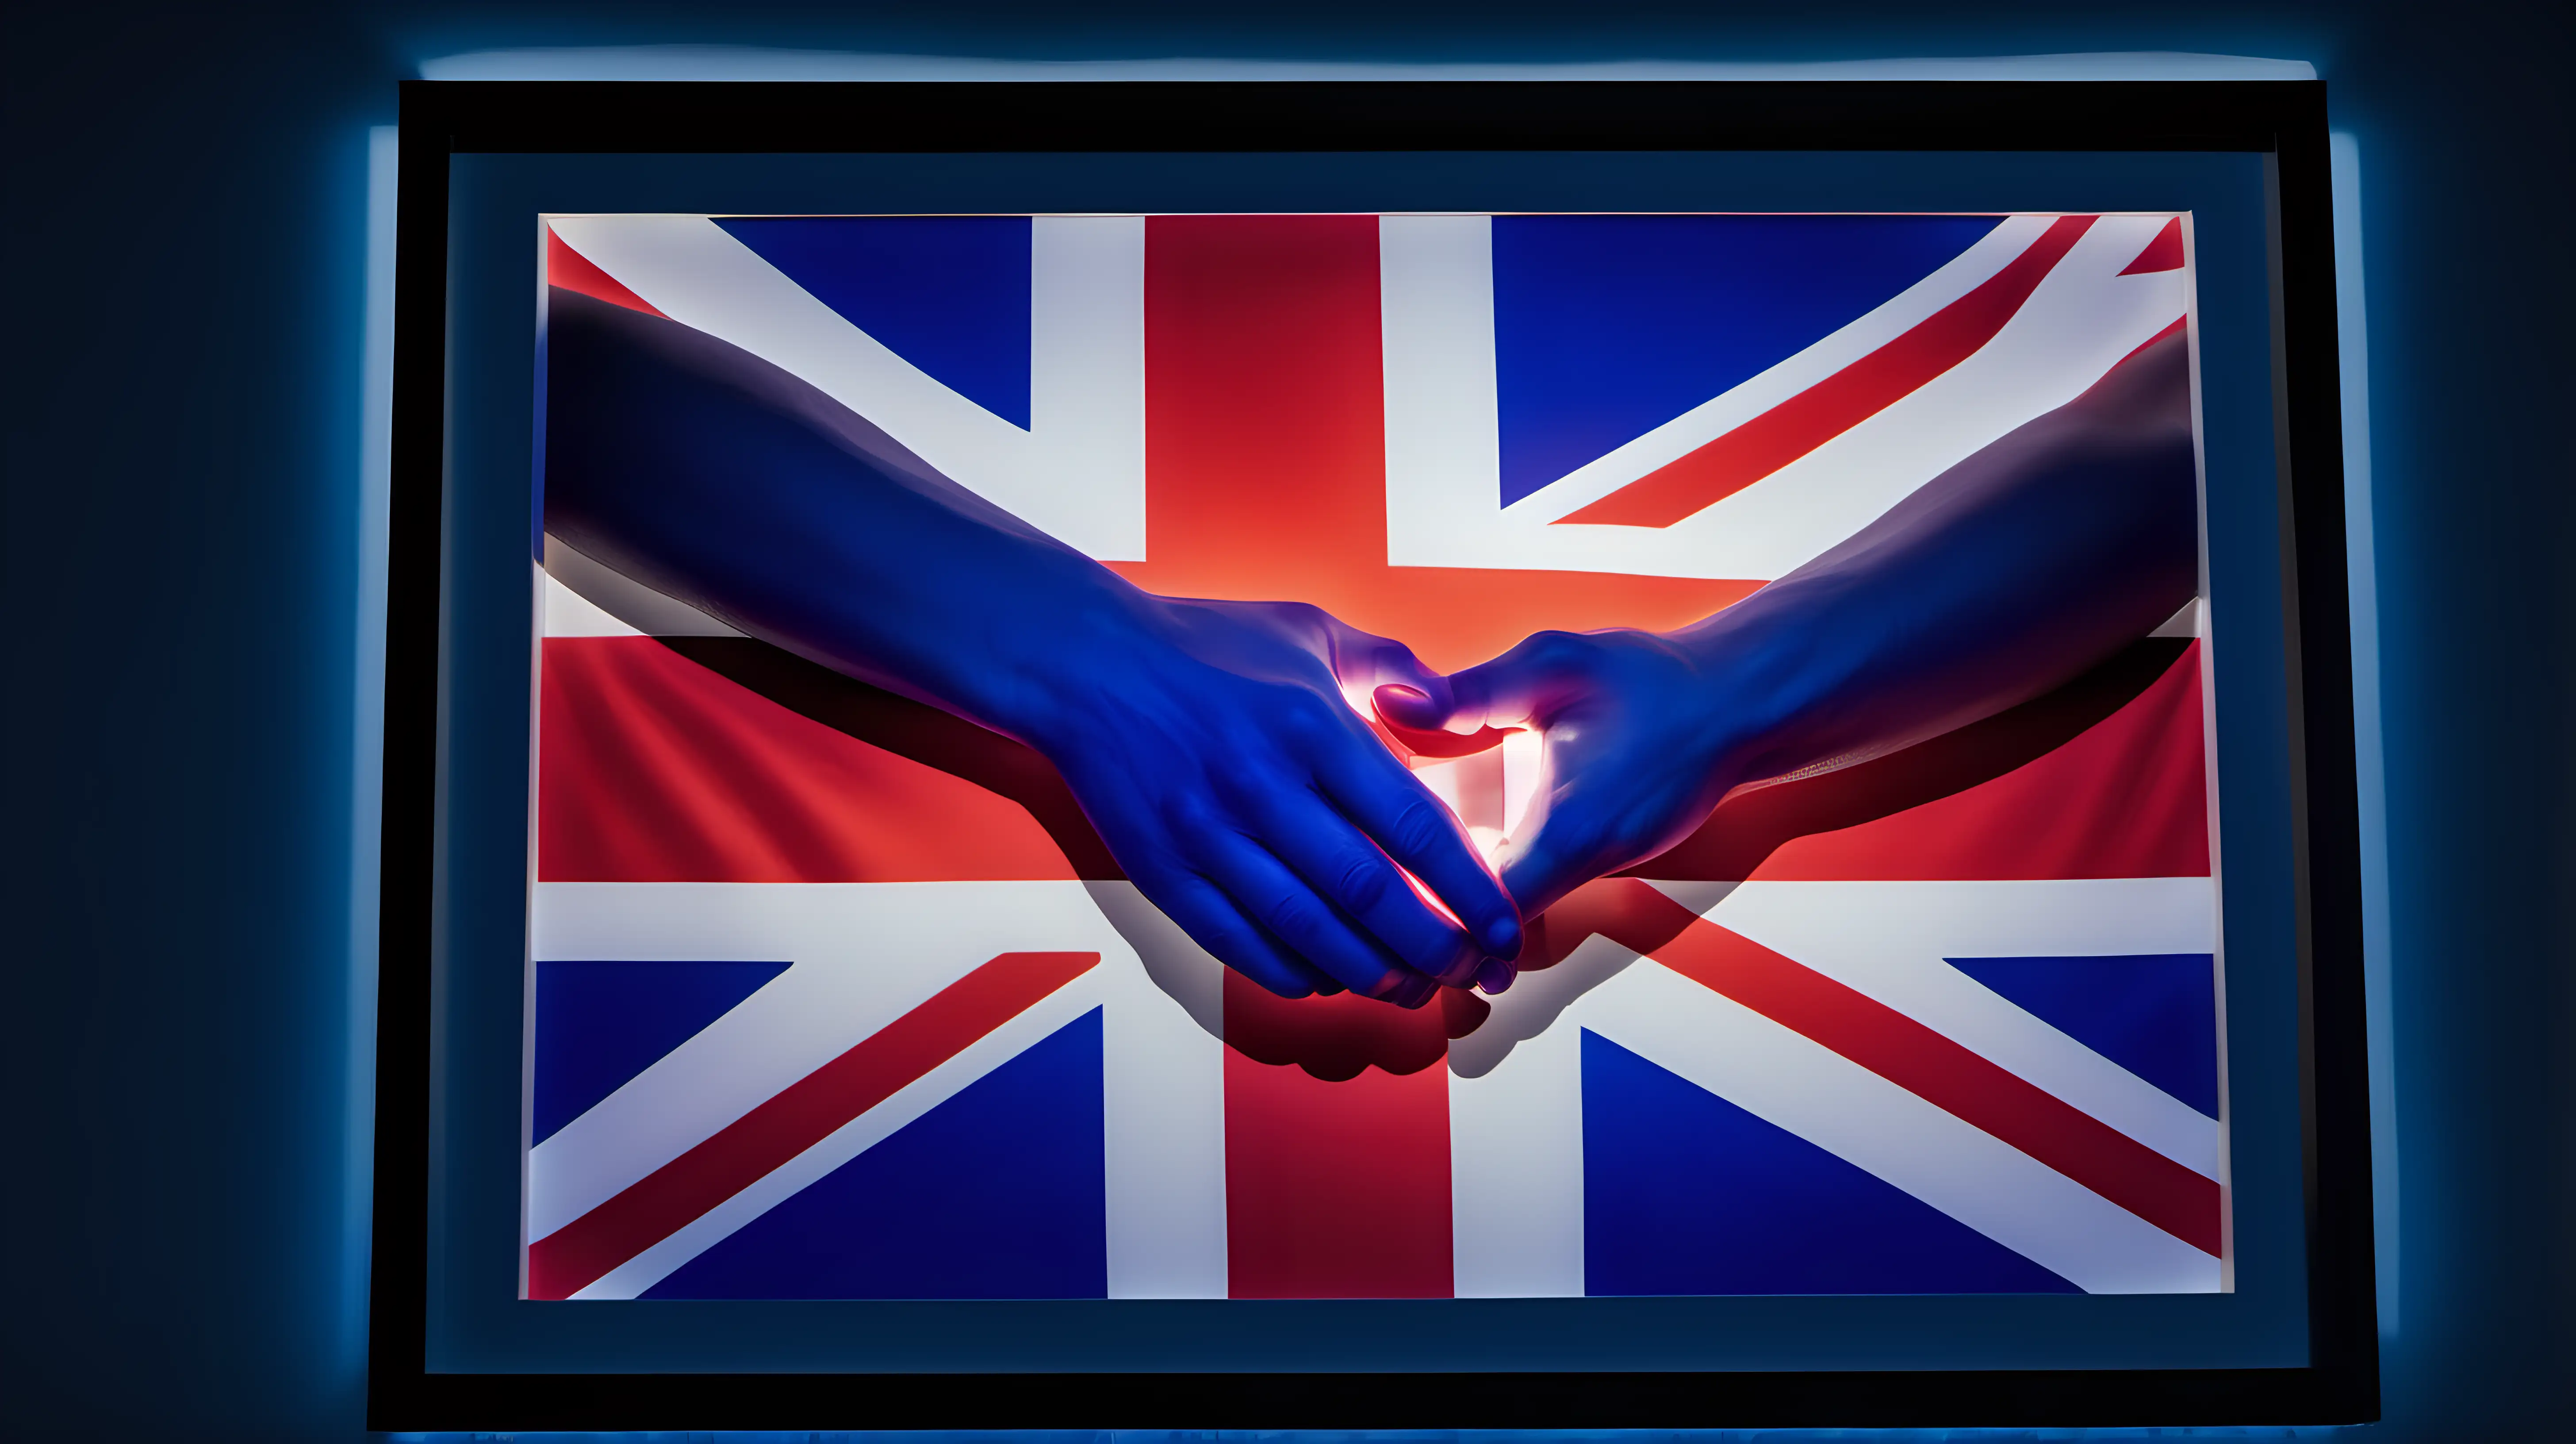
(2283, 120)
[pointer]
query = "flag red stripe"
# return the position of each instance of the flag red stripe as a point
(573, 271)
(1914, 1057)
(805, 1113)
(2127, 797)
(2164, 253)
(1335, 1190)
(1799, 425)
(1265, 475)
(654, 768)
(2177, 326)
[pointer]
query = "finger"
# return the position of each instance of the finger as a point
(1494, 975)
(1399, 701)
(1411, 826)
(1505, 690)
(1419, 704)
(1216, 924)
(1335, 859)
(1375, 662)
(1308, 926)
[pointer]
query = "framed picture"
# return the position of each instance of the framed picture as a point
(1368, 755)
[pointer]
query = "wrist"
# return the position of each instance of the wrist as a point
(1052, 675)
(1762, 685)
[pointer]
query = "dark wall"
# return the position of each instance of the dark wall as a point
(186, 204)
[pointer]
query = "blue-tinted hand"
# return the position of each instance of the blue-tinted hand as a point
(2003, 577)
(1638, 748)
(1212, 745)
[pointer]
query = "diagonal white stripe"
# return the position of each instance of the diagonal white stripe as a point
(864, 954)
(2081, 321)
(1751, 397)
(1443, 457)
(1797, 1084)
(1888, 941)
(586, 598)
(857, 1136)
(1078, 472)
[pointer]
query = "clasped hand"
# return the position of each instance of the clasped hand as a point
(1217, 748)
(1213, 747)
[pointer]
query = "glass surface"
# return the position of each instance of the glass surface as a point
(1946, 1056)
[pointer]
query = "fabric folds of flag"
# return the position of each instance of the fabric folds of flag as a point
(836, 996)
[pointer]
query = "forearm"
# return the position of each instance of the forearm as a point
(2004, 577)
(719, 479)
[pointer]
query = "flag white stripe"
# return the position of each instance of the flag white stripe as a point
(1793, 1082)
(864, 954)
(1442, 416)
(1164, 1088)
(1077, 473)
(587, 598)
(1444, 463)
(858, 950)
(567, 613)
(1888, 940)
(907, 1104)
(2084, 318)
(1516, 1172)
(1749, 398)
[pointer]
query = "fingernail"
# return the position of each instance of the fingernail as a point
(1395, 699)
(1495, 976)
(1462, 970)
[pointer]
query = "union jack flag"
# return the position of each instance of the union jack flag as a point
(835, 996)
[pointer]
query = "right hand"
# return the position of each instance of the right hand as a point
(1639, 747)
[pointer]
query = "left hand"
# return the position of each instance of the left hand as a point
(1217, 748)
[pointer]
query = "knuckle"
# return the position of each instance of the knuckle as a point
(1418, 830)
(1190, 815)
(1553, 647)
(1296, 919)
(1362, 883)
(1296, 714)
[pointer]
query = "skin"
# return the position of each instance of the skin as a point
(1209, 742)
(2002, 578)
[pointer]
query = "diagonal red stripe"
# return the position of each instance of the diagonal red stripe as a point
(1901, 1050)
(574, 271)
(751, 1147)
(1770, 441)
(2164, 253)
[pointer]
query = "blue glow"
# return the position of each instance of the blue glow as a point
(743, 62)
(1403, 1436)
(367, 728)
(2352, 330)
(727, 63)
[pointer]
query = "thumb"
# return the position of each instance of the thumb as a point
(1503, 692)
(1474, 707)
(1416, 704)
(1426, 719)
